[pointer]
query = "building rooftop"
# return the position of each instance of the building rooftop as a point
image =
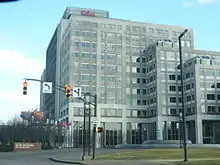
(73, 10)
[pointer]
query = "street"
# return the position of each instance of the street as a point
(42, 158)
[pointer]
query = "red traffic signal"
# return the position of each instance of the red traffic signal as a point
(68, 90)
(99, 129)
(25, 85)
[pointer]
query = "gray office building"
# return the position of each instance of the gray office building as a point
(98, 53)
(159, 89)
(42, 95)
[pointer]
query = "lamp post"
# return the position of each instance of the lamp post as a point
(182, 92)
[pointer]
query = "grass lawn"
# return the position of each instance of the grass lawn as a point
(202, 162)
(156, 154)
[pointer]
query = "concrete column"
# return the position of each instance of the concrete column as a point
(159, 129)
(199, 131)
(98, 140)
(124, 132)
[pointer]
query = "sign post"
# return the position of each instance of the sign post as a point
(77, 92)
(47, 87)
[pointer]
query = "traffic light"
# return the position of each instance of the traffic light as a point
(99, 129)
(68, 90)
(25, 85)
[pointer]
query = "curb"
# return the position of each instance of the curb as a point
(66, 161)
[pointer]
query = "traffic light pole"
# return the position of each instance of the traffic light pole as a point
(94, 141)
(89, 124)
(89, 131)
(57, 87)
(84, 130)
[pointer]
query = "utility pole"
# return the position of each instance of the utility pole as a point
(182, 92)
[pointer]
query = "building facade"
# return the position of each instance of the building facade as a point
(51, 73)
(160, 90)
(42, 95)
(202, 74)
(98, 53)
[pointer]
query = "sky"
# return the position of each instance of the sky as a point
(27, 26)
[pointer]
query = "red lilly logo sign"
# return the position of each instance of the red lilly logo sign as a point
(87, 13)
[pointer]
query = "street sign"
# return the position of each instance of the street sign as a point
(47, 87)
(77, 92)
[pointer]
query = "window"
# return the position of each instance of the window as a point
(144, 81)
(211, 109)
(172, 99)
(138, 70)
(144, 91)
(188, 98)
(188, 87)
(187, 75)
(143, 70)
(189, 110)
(172, 77)
(179, 88)
(179, 77)
(180, 99)
(210, 97)
(218, 97)
(138, 91)
(173, 88)
(138, 80)
(218, 85)
(138, 102)
(173, 111)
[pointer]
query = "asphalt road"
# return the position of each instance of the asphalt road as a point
(27, 158)
(41, 157)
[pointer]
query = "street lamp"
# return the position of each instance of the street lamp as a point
(182, 91)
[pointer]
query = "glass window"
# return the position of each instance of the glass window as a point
(170, 55)
(85, 77)
(172, 99)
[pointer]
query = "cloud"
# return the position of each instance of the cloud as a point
(190, 3)
(206, 1)
(13, 68)
(14, 62)
(16, 96)
(187, 4)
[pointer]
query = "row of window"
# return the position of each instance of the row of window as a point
(136, 29)
(213, 109)
(213, 97)
(173, 88)
(146, 70)
(86, 34)
(85, 45)
(146, 91)
(178, 77)
(86, 55)
(146, 113)
(147, 102)
(145, 59)
(188, 99)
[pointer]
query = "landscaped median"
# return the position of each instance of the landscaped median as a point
(168, 155)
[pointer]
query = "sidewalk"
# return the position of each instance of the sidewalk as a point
(69, 158)
(110, 162)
